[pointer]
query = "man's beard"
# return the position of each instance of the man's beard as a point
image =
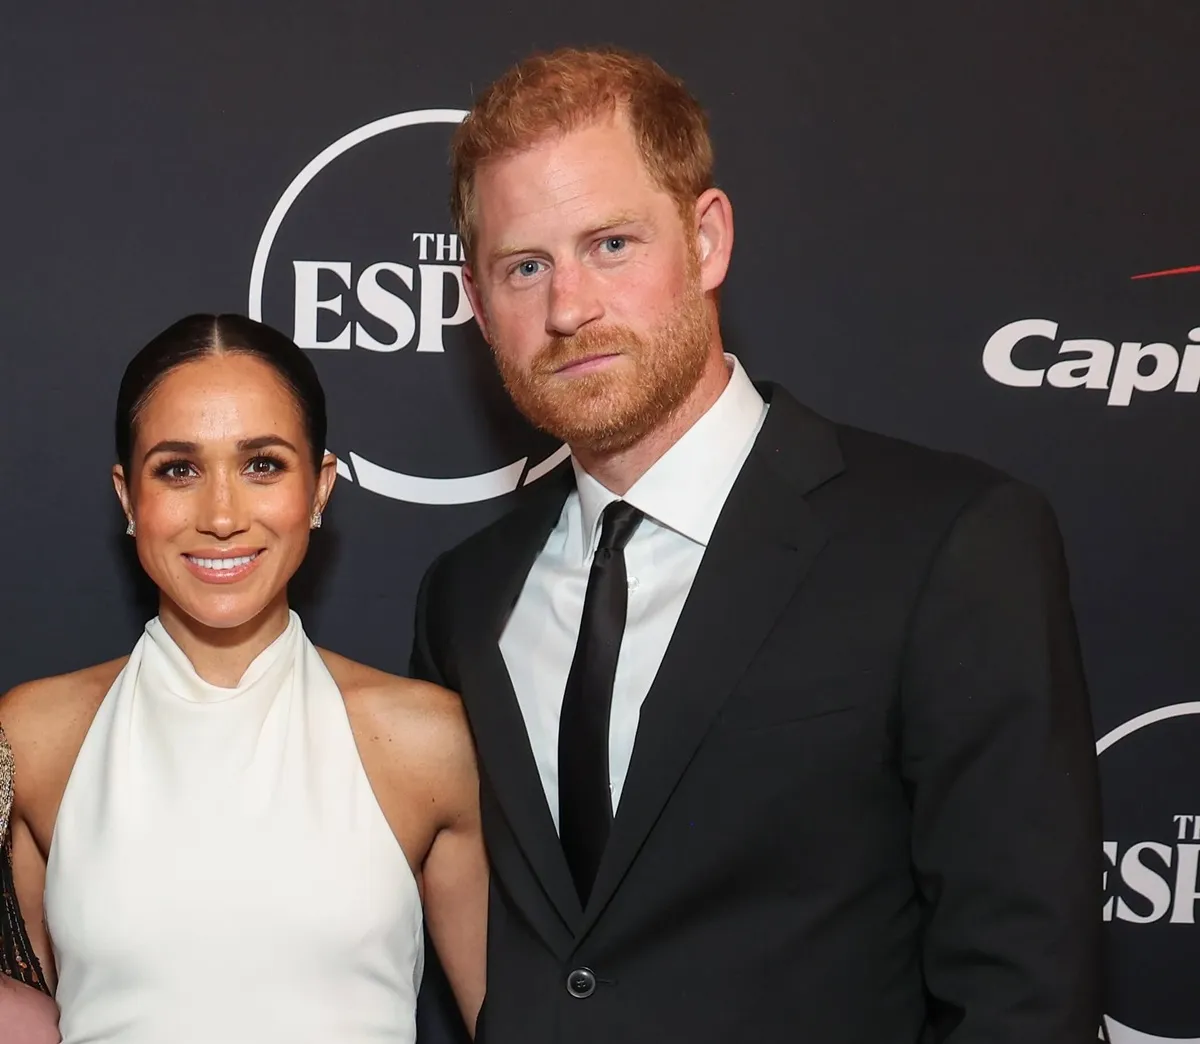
(615, 407)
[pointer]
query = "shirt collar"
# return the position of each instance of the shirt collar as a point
(686, 487)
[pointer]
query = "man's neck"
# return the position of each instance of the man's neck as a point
(618, 470)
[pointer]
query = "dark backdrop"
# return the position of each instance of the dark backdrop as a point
(908, 180)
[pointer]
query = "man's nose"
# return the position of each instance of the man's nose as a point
(574, 300)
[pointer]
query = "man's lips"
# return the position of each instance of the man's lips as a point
(588, 364)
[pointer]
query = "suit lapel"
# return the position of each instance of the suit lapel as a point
(500, 733)
(765, 540)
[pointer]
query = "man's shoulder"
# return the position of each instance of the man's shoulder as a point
(885, 472)
(484, 551)
(897, 460)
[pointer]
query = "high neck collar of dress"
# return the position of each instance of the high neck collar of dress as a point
(174, 672)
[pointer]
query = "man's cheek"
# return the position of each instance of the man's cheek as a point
(517, 350)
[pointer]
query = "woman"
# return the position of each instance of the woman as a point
(27, 1014)
(233, 832)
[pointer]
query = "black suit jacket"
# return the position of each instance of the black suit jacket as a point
(862, 803)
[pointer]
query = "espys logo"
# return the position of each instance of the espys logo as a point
(1150, 882)
(1088, 362)
(368, 285)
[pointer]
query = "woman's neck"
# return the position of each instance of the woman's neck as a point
(220, 655)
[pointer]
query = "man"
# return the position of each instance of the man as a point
(782, 725)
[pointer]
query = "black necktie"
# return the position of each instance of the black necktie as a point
(584, 800)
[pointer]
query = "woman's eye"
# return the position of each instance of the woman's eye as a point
(263, 466)
(176, 470)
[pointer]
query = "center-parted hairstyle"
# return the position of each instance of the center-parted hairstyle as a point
(553, 94)
(198, 336)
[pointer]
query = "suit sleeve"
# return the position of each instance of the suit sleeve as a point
(998, 755)
(422, 663)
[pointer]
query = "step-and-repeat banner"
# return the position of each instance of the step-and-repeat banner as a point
(974, 226)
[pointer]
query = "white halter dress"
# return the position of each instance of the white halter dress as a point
(221, 872)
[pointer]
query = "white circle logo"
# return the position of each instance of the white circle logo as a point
(371, 476)
(1113, 1030)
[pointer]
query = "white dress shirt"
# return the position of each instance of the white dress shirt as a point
(681, 495)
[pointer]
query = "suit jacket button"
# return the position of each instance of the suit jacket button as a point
(581, 983)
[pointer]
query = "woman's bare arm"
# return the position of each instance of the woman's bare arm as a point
(455, 875)
(45, 722)
(417, 751)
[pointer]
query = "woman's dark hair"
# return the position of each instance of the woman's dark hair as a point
(197, 336)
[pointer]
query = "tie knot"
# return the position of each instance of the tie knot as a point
(618, 523)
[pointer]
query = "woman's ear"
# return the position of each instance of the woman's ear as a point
(326, 477)
(122, 488)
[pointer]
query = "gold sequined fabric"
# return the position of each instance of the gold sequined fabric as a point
(17, 959)
(7, 774)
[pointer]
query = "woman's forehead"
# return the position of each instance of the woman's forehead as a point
(219, 397)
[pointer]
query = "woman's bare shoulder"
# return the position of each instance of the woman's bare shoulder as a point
(45, 722)
(49, 706)
(413, 739)
(399, 709)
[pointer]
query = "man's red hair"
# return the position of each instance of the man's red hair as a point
(547, 95)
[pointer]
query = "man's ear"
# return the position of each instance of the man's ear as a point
(714, 237)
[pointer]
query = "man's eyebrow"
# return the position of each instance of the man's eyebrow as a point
(616, 221)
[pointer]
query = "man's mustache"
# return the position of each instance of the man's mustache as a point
(559, 352)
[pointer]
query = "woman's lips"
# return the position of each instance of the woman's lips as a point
(224, 567)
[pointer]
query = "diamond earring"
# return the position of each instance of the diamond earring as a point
(315, 523)
(131, 529)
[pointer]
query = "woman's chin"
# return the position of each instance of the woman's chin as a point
(224, 614)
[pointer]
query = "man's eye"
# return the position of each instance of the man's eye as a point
(528, 267)
(615, 244)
